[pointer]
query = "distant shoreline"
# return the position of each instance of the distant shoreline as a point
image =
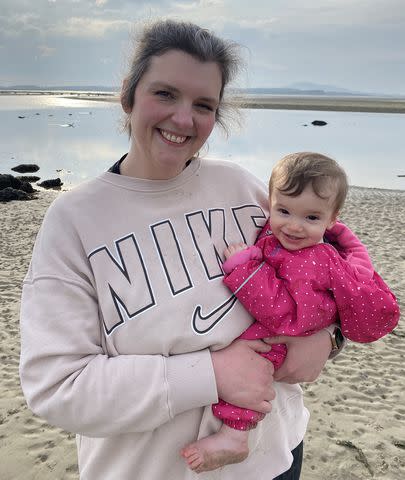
(323, 103)
(339, 103)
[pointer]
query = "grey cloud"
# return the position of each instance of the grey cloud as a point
(351, 44)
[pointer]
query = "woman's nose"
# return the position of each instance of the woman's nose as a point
(183, 117)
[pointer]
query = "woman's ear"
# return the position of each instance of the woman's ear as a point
(123, 98)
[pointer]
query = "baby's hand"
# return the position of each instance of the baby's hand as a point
(234, 248)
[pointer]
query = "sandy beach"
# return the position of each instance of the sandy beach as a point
(357, 426)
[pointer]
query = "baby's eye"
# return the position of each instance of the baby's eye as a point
(283, 211)
(312, 218)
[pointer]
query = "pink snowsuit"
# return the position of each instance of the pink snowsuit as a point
(298, 293)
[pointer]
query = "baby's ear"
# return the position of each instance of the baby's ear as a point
(333, 220)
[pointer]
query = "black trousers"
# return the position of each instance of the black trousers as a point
(295, 470)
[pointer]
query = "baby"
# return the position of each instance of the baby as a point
(295, 282)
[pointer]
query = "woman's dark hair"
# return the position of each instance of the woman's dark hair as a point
(164, 35)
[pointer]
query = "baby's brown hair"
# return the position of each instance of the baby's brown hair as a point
(294, 172)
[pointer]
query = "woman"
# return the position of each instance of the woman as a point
(126, 327)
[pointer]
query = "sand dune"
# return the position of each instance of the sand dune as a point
(357, 428)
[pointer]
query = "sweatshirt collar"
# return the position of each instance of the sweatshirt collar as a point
(146, 185)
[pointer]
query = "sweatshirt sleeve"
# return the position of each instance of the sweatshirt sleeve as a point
(66, 376)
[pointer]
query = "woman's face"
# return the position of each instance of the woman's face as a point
(173, 115)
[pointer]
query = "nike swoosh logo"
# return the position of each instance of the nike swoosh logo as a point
(202, 324)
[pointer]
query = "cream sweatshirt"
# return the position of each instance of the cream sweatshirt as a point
(121, 305)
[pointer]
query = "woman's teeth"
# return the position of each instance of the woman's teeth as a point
(173, 138)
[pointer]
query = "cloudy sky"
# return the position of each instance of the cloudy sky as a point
(353, 44)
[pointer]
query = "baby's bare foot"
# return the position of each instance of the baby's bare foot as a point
(223, 448)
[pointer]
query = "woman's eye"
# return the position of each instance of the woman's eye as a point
(205, 106)
(163, 94)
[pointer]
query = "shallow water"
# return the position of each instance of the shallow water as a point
(83, 138)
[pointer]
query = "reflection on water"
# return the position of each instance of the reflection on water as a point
(369, 146)
(83, 138)
(35, 101)
(80, 138)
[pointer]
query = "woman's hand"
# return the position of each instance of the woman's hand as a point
(306, 357)
(243, 377)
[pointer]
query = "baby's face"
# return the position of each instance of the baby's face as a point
(300, 222)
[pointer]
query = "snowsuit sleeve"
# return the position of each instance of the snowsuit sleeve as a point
(258, 287)
(351, 249)
(66, 375)
(367, 308)
(250, 253)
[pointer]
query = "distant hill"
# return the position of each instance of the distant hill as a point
(323, 87)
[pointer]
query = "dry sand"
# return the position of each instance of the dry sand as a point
(357, 427)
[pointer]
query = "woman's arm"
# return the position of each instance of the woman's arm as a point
(69, 380)
(67, 375)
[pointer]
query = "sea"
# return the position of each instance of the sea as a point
(76, 139)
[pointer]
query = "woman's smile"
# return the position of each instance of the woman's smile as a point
(172, 137)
